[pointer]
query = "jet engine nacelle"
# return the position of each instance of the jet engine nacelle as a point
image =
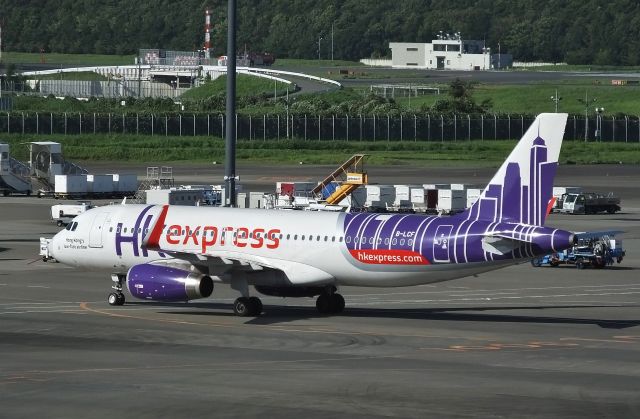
(163, 283)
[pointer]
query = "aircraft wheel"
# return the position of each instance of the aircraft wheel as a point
(121, 299)
(536, 262)
(579, 263)
(323, 304)
(242, 307)
(256, 306)
(113, 299)
(338, 304)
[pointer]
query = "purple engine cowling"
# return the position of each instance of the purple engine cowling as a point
(163, 283)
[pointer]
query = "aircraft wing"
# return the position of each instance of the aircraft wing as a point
(225, 262)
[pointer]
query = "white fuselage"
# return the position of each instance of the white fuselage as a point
(309, 247)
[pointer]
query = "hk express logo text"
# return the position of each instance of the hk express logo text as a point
(203, 236)
(207, 236)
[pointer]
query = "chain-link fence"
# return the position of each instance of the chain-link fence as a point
(306, 127)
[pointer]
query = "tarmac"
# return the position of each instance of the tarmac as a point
(518, 342)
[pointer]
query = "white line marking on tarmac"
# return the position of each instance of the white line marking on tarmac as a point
(38, 286)
(453, 300)
(629, 286)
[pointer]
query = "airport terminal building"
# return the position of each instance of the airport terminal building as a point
(448, 52)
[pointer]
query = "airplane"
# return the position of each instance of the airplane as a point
(176, 253)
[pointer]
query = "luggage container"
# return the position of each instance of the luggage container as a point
(473, 194)
(70, 186)
(430, 186)
(125, 184)
(402, 199)
(256, 200)
(100, 185)
(242, 200)
(450, 201)
(379, 196)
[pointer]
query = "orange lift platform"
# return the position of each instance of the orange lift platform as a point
(343, 181)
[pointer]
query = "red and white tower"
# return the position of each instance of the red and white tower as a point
(207, 34)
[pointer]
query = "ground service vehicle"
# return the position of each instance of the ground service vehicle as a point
(597, 250)
(590, 203)
(62, 214)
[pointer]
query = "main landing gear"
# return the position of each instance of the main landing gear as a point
(247, 306)
(117, 298)
(330, 302)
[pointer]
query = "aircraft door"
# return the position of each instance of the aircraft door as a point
(441, 244)
(97, 228)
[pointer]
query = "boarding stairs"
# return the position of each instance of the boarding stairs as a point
(348, 176)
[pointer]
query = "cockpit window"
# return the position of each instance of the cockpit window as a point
(74, 225)
(68, 227)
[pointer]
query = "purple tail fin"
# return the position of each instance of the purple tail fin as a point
(521, 189)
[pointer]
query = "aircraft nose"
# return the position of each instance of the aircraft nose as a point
(55, 246)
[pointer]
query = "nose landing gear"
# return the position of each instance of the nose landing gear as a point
(117, 298)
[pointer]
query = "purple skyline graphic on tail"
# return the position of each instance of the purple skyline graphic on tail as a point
(514, 200)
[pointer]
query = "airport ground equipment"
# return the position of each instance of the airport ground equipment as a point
(62, 214)
(343, 181)
(596, 250)
(590, 203)
(45, 254)
(560, 193)
(14, 175)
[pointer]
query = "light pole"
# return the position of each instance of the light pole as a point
(331, 41)
(599, 112)
(556, 99)
(586, 102)
(230, 117)
(319, 40)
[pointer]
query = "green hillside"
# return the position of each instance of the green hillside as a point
(578, 32)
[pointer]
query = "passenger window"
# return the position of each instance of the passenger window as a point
(348, 240)
(394, 241)
(288, 236)
(410, 242)
(386, 241)
(340, 239)
(318, 238)
(110, 229)
(333, 238)
(326, 238)
(371, 240)
(295, 237)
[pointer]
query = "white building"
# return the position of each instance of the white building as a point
(448, 52)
